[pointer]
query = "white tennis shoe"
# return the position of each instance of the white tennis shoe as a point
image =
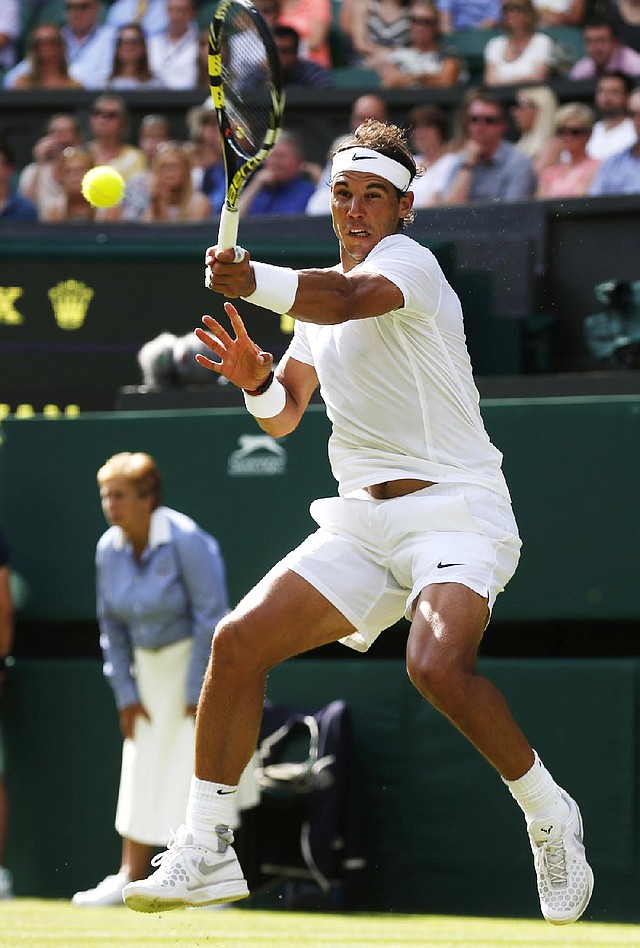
(107, 892)
(565, 879)
(189, 874)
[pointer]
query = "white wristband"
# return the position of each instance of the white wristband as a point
(269, 404)
(276, 287)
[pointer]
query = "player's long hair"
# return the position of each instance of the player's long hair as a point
(388, 140)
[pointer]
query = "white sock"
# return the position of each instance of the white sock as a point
(538, 795)
(209, 805)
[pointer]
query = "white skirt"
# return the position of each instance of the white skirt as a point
(157, 762)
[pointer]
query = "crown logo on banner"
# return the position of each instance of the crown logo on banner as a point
(70, 300)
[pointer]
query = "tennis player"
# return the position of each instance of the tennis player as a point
(422, 526)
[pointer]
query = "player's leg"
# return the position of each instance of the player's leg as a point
(441, 662)
(135, 859)
(442, 650)
(283, 616)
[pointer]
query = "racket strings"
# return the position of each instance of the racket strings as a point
(246, 78)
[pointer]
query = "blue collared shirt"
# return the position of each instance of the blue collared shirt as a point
(175, 591)
(619, 174)
(90, 60)
(507, 176)
(154, 20)
(467, 14)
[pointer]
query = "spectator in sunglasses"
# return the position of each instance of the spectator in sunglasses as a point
(424, 62)
(88, 46)
(109, 133)
(573, 172)
(47, 61)
(488, 168)
(130, 69)
(521, 54)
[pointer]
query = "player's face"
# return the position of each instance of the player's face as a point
(123, 506)
(365, 209)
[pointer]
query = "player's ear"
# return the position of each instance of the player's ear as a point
(406, 203)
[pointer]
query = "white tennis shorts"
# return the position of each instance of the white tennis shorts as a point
(372, 558)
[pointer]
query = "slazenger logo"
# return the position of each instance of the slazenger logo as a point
(257, 456)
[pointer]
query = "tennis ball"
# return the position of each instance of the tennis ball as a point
(103, 186)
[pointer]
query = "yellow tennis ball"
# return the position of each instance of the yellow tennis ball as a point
(103, 186)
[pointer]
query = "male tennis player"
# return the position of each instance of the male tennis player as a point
(422, 525)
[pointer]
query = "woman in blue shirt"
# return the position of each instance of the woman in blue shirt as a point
(161, 589)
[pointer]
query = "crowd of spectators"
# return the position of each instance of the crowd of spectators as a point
(491, 146)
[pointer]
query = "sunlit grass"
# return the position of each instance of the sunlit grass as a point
(30, 923)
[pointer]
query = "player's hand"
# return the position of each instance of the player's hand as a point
(240, 360)
(128, 717)
(229, 274)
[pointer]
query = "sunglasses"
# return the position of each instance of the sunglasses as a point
(484, 119)
(106, 113)
(129, 40)
(77, 6)
(423, 20)
(572, 131)
(512, 8)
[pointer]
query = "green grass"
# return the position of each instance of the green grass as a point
(30, 923)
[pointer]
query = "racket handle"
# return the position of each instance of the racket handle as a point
(228, 228)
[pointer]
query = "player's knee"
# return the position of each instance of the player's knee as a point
(434, 676)
(229, 648)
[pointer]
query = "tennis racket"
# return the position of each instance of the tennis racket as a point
(246, 88)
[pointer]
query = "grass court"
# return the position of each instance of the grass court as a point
(32, 923)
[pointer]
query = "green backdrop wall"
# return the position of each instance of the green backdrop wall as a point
(573, 466)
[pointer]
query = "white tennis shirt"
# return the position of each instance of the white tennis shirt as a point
(398, 388)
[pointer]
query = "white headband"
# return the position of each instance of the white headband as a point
(365, 159)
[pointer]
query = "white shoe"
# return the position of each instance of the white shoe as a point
(565, 879)
(189, 874)
(107, 892)
(6, 884)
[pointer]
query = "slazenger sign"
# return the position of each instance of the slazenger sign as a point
(257, 456)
